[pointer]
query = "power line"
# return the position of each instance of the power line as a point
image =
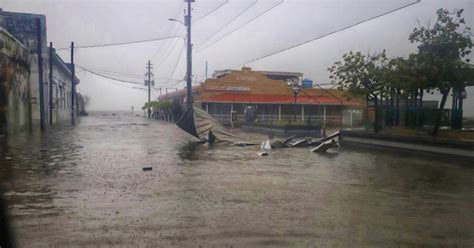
(114, 72)
(231, 21)
(138, 88)
(167, 55)
(176, 65)
(330, 33)
(241, 26)
(116, 83)
(210, 12)
(171, 27)
(108, 77)
(123, 74)
(125, 81)
(122, 43)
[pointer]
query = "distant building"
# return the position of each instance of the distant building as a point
(263, 97)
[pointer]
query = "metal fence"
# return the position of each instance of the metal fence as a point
(346, 120)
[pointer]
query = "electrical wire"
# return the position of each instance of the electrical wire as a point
(116, 83)
(330, 33)
(230, 21)
(113, 72)
(167, 55)
(241, 26)
(124, 81)
(121, 43)
(108, 77)
(210, 12)
(171, 27)
(176, 65)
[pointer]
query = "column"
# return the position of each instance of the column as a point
(279, 112)
(351, 110)
(324, 117)
(302, 112)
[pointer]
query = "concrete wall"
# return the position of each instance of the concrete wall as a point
(62, 87)
(14, 85)
(23, 27)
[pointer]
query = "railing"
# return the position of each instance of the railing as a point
(317, 120)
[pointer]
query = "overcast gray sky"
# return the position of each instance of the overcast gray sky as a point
(107, 21)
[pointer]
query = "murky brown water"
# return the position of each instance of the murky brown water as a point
(84, 187)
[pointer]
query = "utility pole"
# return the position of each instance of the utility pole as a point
(206, 69)
(187, 23)
(73, 86)
(40, 71)
(149, 82)
(51, 106)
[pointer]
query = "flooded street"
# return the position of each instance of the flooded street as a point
(85, 187)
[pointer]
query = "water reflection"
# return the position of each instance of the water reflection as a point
(192, 150)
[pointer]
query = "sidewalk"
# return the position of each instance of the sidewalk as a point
(426, 144)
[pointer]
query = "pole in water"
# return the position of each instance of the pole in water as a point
(73, 86)
(187, 22)
(148, 82)
(40, 71)
(51, 104)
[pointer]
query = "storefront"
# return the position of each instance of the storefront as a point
(247, 96)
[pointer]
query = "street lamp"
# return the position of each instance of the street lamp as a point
(189, 59)
(175, 20)
(295, 86)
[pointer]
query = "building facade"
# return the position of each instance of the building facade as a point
(50, 100)
(15, 109)
(246, 96)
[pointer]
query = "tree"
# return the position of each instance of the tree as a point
(442, 53)
(362, 76)
(408, 78)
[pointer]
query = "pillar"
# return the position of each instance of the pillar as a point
(279, 112)
(324, 117)
(302, 112)
(351, 111)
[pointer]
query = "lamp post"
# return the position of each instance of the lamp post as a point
(295, 86)
(187, 24)
(175, 20)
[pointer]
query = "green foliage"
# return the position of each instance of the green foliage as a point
(448, 38)
(361, 75)
(443, 50)
(158, 105)
(441, 64)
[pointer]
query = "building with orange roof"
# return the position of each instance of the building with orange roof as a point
(264, 96)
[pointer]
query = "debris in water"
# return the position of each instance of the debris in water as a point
(147, 168)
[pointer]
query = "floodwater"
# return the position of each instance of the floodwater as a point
(85, 187)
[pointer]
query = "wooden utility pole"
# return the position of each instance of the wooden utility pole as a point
(149, 82)
(39, 50)
(51, 104)
(73, 86)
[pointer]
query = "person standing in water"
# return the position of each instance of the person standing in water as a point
(211, 138)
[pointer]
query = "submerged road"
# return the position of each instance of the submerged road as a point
(85, 187)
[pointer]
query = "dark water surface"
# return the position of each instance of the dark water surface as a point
(85, 187)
